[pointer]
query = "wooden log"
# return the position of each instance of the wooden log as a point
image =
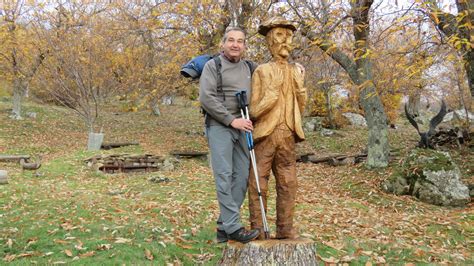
(188, 154)
(12, 158)
(270, 252)
(108, 146)
(336, 158)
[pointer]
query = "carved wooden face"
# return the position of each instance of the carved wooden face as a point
(279, 41)
(234, 45)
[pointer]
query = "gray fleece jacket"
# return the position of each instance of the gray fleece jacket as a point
(235, 78)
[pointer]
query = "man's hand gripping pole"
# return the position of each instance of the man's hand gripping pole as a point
(243, 105)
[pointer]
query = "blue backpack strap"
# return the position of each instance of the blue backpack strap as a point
(218, 62)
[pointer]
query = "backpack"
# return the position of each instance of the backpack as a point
(193, 69)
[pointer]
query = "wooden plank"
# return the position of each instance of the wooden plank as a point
(112, 145)
(188, 153)
(12, 158)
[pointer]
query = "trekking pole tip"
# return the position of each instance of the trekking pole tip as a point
(267, 235)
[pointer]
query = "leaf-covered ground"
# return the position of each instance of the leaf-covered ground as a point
(68, 213)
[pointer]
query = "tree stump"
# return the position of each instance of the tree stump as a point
(299, 251)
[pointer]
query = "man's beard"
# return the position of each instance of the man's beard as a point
(282, 50)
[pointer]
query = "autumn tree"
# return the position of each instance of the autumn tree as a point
(19, 56)
(459, 30)
(359, 67)
(79, 70)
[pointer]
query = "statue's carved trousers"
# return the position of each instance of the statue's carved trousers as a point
(276, 153)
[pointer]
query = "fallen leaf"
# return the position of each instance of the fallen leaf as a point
(33, 239)
(25, 255)
(60, 241)
(121, 240)
(79, 246)
(330, 260)
(87, 254)
(347, 258)
(104, 247)
(148, 254)
(68, 252)
(9, 258)
(184, 246)
(9, 243)
(381, 260)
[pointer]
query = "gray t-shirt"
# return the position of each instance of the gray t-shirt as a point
(235, 78)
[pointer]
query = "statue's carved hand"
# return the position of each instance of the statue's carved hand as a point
(277, 80)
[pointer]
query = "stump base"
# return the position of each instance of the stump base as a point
(298, 251)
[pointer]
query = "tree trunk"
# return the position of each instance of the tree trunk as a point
(327, 95)
(414, 103)
(466, 31)
(378, 148)
(469, 66)
(17, 97)
(270, 252)
(451, 26)
(155, 108)
(360, 72)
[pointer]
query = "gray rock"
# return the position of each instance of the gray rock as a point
(31, 114)
(443, 188)
(167, 100)
(355, 119)
(159, 179)
(3, 177)
(397, 185)
(431, 176)
(167, 165)
(326, 132)
(460, 114)
(313, 124)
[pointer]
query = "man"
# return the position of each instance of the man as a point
(277, 102)
(225, 132)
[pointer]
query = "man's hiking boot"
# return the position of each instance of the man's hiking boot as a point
(243, 235)
(221, 236)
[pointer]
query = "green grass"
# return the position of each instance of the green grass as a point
(68, 206)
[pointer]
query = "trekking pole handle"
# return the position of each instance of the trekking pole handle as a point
(243, 99)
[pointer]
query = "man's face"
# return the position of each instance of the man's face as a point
(280, 42)
(234, 45)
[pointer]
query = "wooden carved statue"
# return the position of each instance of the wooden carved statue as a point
(277, 102)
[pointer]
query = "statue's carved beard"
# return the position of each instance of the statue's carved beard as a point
(280, 50)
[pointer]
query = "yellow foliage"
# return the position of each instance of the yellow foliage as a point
(338, 120)
(391, 104)
(318, 104)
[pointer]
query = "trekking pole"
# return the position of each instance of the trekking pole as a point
(243, 105)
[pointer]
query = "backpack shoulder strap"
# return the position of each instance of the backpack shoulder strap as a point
(250, 64)
(218, 62)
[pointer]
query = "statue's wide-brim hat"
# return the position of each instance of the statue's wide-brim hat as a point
(275, 22)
